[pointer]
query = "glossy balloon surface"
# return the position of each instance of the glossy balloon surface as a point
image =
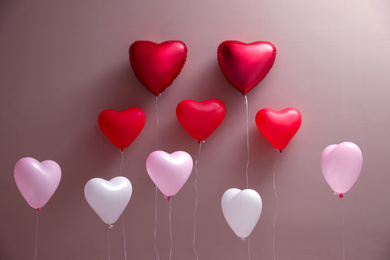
(246, 64)
(37, 181)
(157, 65)
(278, 127)
(122, 127)
(169, 171)
(200, 119)
(341, 165)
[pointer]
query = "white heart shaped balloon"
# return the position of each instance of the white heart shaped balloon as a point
(341, 165)
(37, 181)
(242, 210)
(108, 198)
(169, 171)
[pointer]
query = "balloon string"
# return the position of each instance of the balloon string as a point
(196, 198)
(121, 166)
(108, 242)
(247, 140)
(124, 235)
(170, 227)
(155, 224)
(277, 206)
(157, 118)
(36, 235)
(343, 228)
(249, 248)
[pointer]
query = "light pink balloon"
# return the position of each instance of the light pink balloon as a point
(169, 171)
(37, 181)
(341, 165)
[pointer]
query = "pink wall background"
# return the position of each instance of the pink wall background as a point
(63, 62)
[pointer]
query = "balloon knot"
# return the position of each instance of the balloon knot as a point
(280, 150)
(38, 209)
(169, 197)
(341, 195)
(199, 141)
(121, 150)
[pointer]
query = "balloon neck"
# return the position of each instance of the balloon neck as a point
(38, 209)
(199, 141)
(280, 151)
(110, 226)
(169, 197)
(341, 195)
(121, 150)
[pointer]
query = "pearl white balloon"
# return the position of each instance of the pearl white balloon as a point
(242, 210)
(108, 198)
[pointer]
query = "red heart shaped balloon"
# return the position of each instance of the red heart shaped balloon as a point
(157, 65)
(245, 65)
(122, 127)
(200, 119)
(278, 127)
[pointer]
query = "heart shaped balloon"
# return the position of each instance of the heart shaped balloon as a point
(200, 119)
(341, 165)
(37, 181)
(108, 198)
(122, 127)
(278, 127)
(157, 65)
(242, 210)
(246, 64)
(169, 171)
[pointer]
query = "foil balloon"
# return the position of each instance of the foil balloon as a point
(169, 171)
(200, 119)
(108, 198)
(341, 166)
(242, 210)
(246, 64)
(278, 127)
(122, 127)
(37, 181)
(157, 65)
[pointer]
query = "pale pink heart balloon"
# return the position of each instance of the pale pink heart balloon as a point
(341, 165)
(37, 181)
(169, 171)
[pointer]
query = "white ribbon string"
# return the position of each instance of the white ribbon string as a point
(247, 140)
(343, 227)
(277, 206)
(155, 224)
(170, 227)
(36, 235)
(196, 199)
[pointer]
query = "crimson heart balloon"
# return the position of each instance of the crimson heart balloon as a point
(246, 64)
(278, 127)
(200, 119)
(157, 65)
(122, 127)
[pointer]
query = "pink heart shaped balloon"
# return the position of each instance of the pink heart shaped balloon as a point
(341, 165)
(169, 171)
(37, 181)
(246, 64)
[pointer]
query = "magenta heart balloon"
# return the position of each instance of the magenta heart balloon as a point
(341, 165)
(245, 64)
(37, 181)
(169, 171)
